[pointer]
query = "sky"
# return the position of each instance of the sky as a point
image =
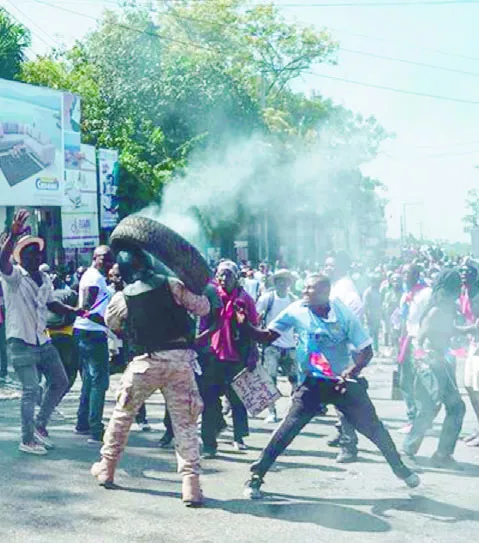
(433, 160)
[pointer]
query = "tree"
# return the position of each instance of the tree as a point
(179, 89)
(471, 219)
(14, 39)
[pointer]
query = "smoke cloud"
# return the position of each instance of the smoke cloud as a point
(258, 173)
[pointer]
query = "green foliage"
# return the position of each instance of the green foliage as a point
(471, 219)
(189, 76)
(14, 39)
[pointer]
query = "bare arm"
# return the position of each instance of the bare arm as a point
(361, 360)
(88, 303)
(215, 325)
(198, 305)
(63, 309)
(8, 243)
(116, 313)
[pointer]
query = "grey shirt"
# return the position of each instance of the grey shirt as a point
(26, 306)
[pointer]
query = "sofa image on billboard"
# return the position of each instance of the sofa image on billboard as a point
(24, 151)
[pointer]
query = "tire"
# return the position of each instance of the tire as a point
(172, 250)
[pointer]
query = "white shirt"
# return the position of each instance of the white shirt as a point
(252, 287)
(26, 306)
(286, 340)
(93, 278)
(345, 291)
(416, 309)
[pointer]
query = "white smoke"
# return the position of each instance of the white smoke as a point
(260, 173)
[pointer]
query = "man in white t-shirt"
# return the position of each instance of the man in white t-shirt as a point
(252, 285)
(92, 343)
(281, 353)
(337, 268)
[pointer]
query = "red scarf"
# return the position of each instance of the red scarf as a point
(223, 342)
(466, 306)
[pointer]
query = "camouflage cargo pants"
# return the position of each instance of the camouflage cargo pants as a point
(171, 372)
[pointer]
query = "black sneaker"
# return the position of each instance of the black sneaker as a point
(208, 454)
(346, 456)
(336, 442)
(81, 431)
(252, 488)
(166, 440)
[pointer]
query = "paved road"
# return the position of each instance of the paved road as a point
(310, 498)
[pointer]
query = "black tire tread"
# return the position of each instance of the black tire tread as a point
(166, 245)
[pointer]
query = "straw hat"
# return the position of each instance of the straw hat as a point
(283, 273)
(24, 242)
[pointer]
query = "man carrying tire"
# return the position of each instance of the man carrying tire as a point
(153, 309)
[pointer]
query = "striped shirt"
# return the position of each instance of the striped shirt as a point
(26, 306)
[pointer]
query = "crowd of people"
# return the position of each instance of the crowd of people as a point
(317, 327)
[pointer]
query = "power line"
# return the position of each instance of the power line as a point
(31, 22)
(354, 51)
(407, 61)
(197, 45)
(407, 44)
(377, 38)
(393, 89)
(370, 4)
(127, 27)
(427, 157)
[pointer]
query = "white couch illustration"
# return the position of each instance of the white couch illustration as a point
(14, 134)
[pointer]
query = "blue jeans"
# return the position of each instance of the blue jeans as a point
(433, 386)
(92, 348)
(29, 361)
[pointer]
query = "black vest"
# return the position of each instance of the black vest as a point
(155, 321)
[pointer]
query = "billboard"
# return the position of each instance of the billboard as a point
(80, 204)
(31, 145)
(109, 179)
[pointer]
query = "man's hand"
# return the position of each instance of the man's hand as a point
(18, 225)
(240, 312)
(79, 312)
(351, 373)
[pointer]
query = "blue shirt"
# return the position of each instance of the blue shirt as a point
(331, 336)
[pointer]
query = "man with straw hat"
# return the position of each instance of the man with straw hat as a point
(28, 294)
(281, 354)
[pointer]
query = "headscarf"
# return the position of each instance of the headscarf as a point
(229, 265)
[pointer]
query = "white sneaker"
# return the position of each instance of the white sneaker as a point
(33, 448)
(271, 418)
(43, 438)
(237, 445)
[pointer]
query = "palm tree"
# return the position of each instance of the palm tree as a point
(14, 39)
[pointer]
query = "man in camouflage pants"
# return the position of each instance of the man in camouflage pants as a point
(153, 309)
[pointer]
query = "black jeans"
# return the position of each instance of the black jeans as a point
(141, 417)
(67, 349)
(216, 381)
(434, 386)
(357, 408)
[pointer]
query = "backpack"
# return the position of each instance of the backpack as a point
(269, 307)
